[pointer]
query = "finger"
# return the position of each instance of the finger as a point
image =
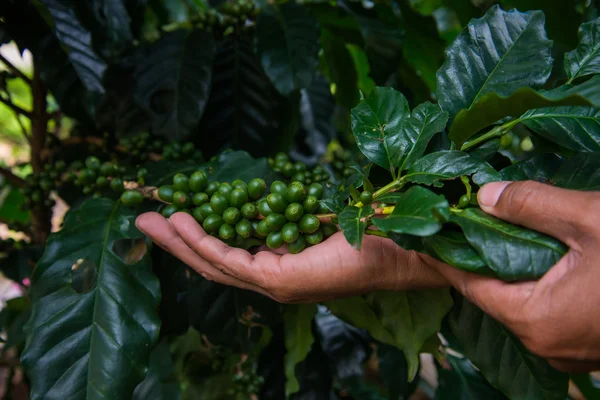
(229, 260)
(160, 231)
(557, 212)
(502, 301)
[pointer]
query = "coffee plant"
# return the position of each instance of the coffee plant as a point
(278, 124)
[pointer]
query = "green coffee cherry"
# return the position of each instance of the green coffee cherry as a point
(262, 230)
(101, 182)
(316, 190)
(169, 210)
(256, 188)
(279, 187)
(225, 188)
(264, 209)
(92, 163)
(231, 216)
(199, 198)
(197, 214)
(181, 183)
(219, 203)
(275, 221)
(288, 169)
(297, 246)
(244, 228)
(116, 184)
(227, 232)
(107, 169)
(296, 192)
(212, 223)
(310, 204)
(141, 173)
(328, 230)
(131, 198)
(464, 201)
(239, 184)
(198, 181)
(205, 210)
(249, 211)
(212, 188)
(274, 240)
(277, 202)
(165, 193)
(181, 200)
(281, 157)
(294, 212)
(314, 238)
(309, 223)
(290, 232)
(366, 197)
(238, 198)
(87, 176)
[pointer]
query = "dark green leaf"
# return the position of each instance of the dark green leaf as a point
(339, 69)
(486, 150)
(108, 325)
(407, 242)
(244, 108)
(461, 381)
(377, 124)
(588, 385)
(19, 263)
(160, 382)
(173, 81)
(425, 7)
(76, 40)
(450, 164)
(114, 26)
(13, 317)
(162, 172)
(350, 223)
(585, 59)
(298, 340)
(453, 248)
(418, 212)
(502, 358)
(512, 252)
(499, 53)
(11, 201)
(393, 371)
(288, 45)
(582, 172)
(425, 121)
(540, 168)
(576, 128)
(493, 107)
(233, 165)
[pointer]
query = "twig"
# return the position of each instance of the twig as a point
(15, 107)
(18, 117)
(12, 178)
(15, 70)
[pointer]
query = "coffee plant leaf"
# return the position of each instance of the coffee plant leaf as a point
(173, 81)
(111, 26)
(540, 168)
(454, 249)
(160, 382)
(581, 172)
(339, 69)
(585, 59)
(425, 121)
(11, 201)
(91, 331)
(498, 53)
(233, 165)
(587, 384)
(393, 370)
(407, 242)
(377, 123)
(450, 164)
(288, 45)
(501, 357)
(518, 253)
(297, 321)
(351, 222)
(460, 380)
(493, 107)
(418, 212)
(487, 150)
(576, 128)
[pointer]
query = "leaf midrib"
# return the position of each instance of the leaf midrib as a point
(584, 62)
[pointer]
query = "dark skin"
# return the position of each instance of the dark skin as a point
(555, 317)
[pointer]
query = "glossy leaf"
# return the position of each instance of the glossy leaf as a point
(540, 168)
(160, 382)
(243, 109)
(351, 223)
(339, 69)
(418, 212)
(109, 325)
(499, 53)
(502, 358)
(435, 167)
(453, 248)
(493, 107)
(113, 26)
(581, 172)
(511, 251)
(425, 121)
(405, 320)
(576, 128)
(585, 59)
(11, 201)
(393, 371)
(298, 340)
(377, 123)
(233, 165)
(459, 380)
(173, 81)
(288, 45)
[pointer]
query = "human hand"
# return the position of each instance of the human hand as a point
(326, 271)
(556, 317)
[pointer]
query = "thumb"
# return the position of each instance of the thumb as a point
(560, 213)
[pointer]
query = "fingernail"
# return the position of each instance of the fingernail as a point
(489, 194)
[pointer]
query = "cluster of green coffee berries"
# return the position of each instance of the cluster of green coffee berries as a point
(284, 214)
(341, 160)
(230, 15)
(140, 146)
(95, 176)
(298, 171)
(38, 186)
